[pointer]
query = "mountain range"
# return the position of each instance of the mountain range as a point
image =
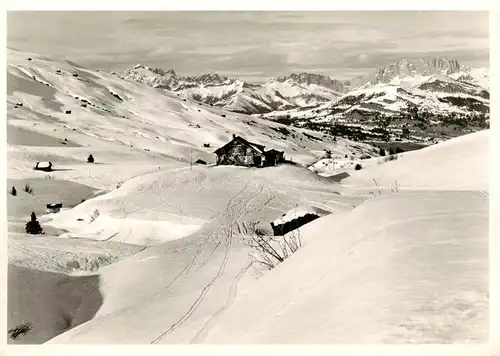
(299, 91)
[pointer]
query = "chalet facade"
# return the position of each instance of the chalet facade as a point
(240, 152)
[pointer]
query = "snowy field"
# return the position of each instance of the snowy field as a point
(151, 248)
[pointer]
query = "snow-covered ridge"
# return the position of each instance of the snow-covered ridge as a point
(301, 90)
(435, 94)
(234, 94)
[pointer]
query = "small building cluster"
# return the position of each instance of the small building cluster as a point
(240, 152)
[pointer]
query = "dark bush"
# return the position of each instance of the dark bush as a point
(33, 226)
(358, 167)
(22, 329)
(13, 191)
(382, 152)
(28, 189)
(90, 159)
(68, 111)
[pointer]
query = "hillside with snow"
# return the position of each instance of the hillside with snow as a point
(151, 245)
(430, 95)
(238, 96)
(140, 137)
(379, 273)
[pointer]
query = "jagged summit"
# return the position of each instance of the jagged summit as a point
(408, 68)
(236, 95)
(317, 79)
(305, 89)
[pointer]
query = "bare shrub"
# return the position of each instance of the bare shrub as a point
(22, 329)
(395, 187)
(269, 251)
(28, 189)
(95, 214)
(378, 188)
(390, 158)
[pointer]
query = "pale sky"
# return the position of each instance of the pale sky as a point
(252, 46)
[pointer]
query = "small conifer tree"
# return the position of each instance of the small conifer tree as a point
(13, 191)
(33, 226)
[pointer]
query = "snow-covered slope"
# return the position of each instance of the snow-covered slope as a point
(406, 267)
(142, 126)
(478, 76)
(234, 95)
(141, 191)
(410, 268)
(433, 96)
(459, 164)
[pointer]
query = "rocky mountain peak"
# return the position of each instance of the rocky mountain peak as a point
(313, 78)
(209, 78)
(445, 65)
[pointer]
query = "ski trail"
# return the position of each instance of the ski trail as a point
(202, 295)
(200, 336)
(230, 210)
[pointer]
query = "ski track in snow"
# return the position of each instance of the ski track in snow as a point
(230, 212)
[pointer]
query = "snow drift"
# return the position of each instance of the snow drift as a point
(402, 268)
(411, 268)
(458, 164)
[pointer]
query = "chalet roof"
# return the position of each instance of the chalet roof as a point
(255, 146)
(300, 212)
(274, 150)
